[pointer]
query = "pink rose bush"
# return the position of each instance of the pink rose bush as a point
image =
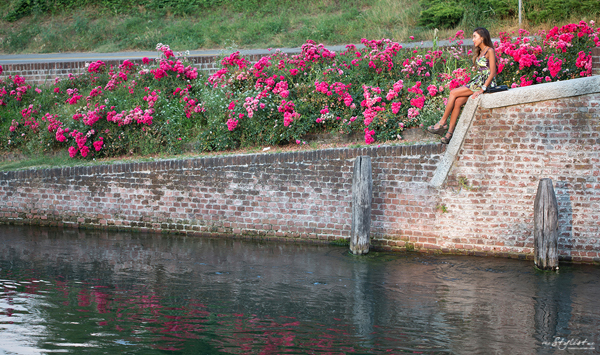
(561, 53)
(377, 91)
(106, 111)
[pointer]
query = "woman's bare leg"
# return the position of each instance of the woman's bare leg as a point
(458, 104)
(462, 92)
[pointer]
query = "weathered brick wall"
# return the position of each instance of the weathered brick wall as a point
(505, 154)
(290, 195)
(488, 197)
(596, 61)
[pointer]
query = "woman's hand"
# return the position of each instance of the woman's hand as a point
(476, 94)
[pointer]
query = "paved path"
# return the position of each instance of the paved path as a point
(88, 57)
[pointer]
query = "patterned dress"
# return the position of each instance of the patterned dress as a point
(483, 72)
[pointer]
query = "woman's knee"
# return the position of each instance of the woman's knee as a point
(461, 92)
(462, 100)
(455, 94)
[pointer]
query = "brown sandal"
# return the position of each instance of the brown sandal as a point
(446, 139)
(438, 131)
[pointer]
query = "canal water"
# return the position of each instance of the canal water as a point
(90, 292)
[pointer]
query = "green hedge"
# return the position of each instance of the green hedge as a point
(451, 13)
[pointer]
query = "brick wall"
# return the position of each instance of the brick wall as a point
(488, 196)
(303, 195)
(505, 154)
(596, 61)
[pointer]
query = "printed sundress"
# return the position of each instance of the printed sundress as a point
(483, 72)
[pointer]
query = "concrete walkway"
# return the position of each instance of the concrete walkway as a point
(88, 57)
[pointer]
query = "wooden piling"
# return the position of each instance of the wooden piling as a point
(362, 191)
(545, 226)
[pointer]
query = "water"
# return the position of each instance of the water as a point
(86, 292)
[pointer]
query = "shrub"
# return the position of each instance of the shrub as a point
(450, 13)
(441, 14)
(378, 91)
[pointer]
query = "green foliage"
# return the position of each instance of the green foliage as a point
(432, 111)
(185, 25)
(539, 11)
(441, 13)
(451, 13)
(463, 182)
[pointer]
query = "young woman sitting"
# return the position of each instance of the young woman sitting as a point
(484, 59)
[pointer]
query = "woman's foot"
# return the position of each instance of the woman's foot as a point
(437, 128)
(446, 139)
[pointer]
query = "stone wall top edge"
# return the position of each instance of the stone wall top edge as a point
(226, 160)
(542, 92)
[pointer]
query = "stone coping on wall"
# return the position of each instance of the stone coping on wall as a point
(517, 96)
(225, 160)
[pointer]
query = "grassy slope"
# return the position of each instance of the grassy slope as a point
(288, 25)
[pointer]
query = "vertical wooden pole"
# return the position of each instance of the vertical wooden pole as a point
(362, 191)
(545, 226)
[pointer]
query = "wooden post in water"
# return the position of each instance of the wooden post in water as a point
(545, 226)
(362, 191)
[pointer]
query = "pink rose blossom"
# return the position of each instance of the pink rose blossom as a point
(98, 144)
(369, 136)
(231, 124)
(432, 89)
(554, 66)
(72, 152)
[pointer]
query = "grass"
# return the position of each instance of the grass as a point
(274, 24)
(89, 30)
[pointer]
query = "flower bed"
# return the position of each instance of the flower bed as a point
(379, 91)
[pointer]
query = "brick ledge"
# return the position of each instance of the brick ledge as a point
(542, 92)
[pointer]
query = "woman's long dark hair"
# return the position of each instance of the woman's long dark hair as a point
(487, 40)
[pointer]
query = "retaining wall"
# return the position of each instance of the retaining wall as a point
(473, 197)
(293, 195)
(491, 187)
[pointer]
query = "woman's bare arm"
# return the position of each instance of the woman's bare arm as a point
(491, 56)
